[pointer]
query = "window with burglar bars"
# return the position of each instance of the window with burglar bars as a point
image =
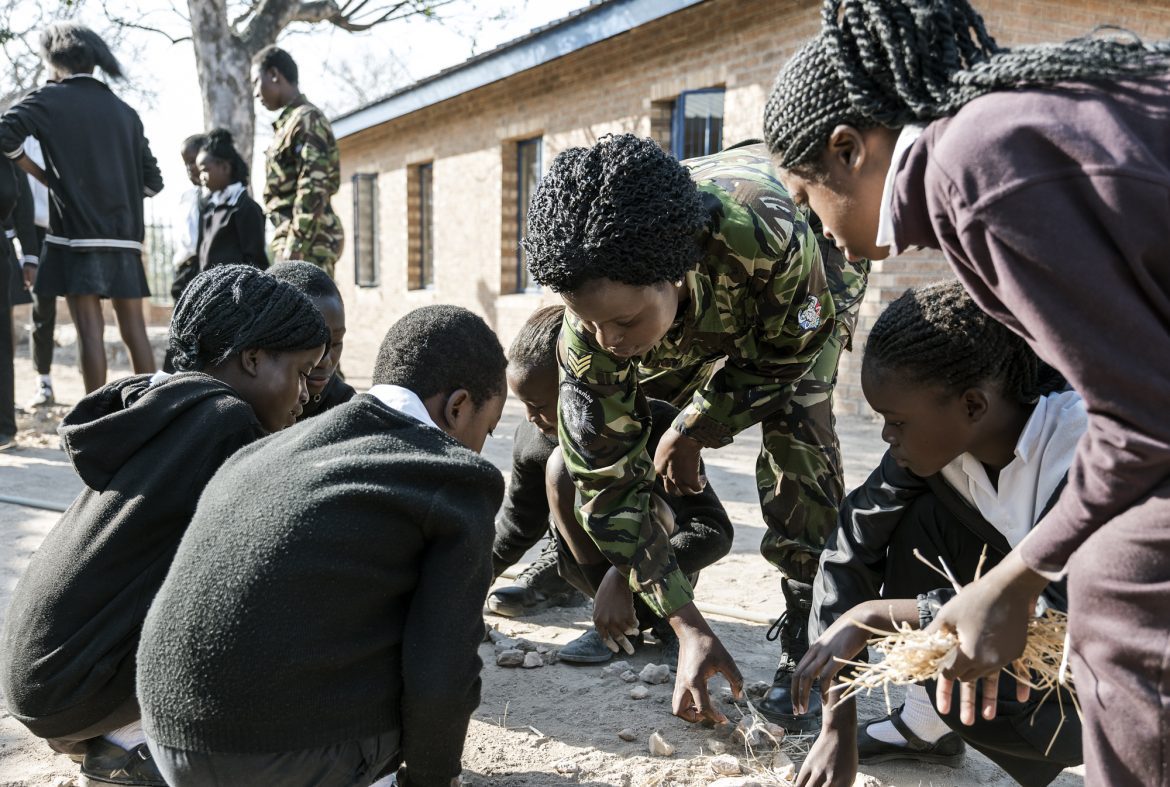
(528, 156)
(421, 218)
(697, 129)
(365, 229)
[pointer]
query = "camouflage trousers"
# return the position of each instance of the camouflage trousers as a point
(799, 475)
(322, 252)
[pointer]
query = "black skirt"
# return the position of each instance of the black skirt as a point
(113, 273)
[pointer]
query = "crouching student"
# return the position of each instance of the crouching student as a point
(335, 636)
(698, 527)
(981, 438)
(145, 447)
(326, 388)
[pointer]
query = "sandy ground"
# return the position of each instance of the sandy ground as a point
(554, 725)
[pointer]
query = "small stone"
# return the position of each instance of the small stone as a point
(505, 643)
(781, 762)
(865, 780)
(616, 668)
(542, 649)
(526, 645)
(566, 767)
(757, 688)
(776, 732)
(726, 765)
(716, 746)
(532, 660)
(659, 747)
(655, 673)
(510, 658)
(736, 781)
(628, 735)
(639, 693)
(629, 676)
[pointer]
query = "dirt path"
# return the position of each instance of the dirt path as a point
(554, 725)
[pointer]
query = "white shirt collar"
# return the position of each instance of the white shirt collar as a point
(229, 196)
(404, 401)
(885, 233)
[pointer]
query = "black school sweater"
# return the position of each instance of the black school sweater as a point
(232, 234)
(329, 588)
(145, 454)
(97, 161)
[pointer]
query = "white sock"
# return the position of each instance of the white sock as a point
(45, 380)
(127, 737)
(918, 714)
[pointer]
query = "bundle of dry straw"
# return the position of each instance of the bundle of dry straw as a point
(914, 655)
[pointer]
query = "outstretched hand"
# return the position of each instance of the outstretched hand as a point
(613, 612)
(701, 656)
(990, 617)
(677, 463)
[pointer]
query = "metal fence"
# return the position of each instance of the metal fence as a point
(157, 256)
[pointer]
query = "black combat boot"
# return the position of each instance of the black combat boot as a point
(792, 629)
(106, 763)
(538, 587)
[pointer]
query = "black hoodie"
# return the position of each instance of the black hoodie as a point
(145, 453)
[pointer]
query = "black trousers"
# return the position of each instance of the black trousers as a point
(350, 764)
(7, 373)
(1019, 736)
(44, 317)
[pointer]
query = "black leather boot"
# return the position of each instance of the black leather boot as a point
(792, 630)
(106, 763)
(538, 587)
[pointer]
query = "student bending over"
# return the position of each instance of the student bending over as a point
(326, 388)
(145, 447)
(335, 636)
(698, 527)
(981, 436)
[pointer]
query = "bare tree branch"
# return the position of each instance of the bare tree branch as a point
(123, 22)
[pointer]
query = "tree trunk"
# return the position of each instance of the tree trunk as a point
(223, 62)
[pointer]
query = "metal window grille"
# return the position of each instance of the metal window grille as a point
(426, 226)
(365, 229)
(697, 129)
(528, 167)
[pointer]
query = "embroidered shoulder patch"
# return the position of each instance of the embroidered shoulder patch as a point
(809, 317)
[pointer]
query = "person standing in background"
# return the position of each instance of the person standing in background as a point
(44, 307)
(303, 167)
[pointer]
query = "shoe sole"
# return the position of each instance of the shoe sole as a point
(100, 781)
(949, 760)
(507, 610)
(584, 659)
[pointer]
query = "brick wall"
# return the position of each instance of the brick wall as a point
(626, 83)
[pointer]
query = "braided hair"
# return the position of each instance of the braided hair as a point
(535, 346)
(219, 145)
(896, 62)
(231, 308)
(937, 336)
(75, 49)
(440, 349)
(623, 209)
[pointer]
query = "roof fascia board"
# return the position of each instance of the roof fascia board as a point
(574, 33)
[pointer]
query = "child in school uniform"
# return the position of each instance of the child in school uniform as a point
(326, 388)
(191, 205)
(145, 447)
(231, 227)
(336, 635)
(699, 529)
(981, 437)
(1042, 175)
(98, 166)
(670, 268)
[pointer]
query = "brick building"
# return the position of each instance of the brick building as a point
(435, 176)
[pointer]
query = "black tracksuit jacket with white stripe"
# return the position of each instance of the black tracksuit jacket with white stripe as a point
(97, 160)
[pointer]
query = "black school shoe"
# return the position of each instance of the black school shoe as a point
(949, 750)
(538, 587)
(792, 629)
(108, 763)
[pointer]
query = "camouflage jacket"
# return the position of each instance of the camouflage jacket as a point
(759, 299)
(303, 172)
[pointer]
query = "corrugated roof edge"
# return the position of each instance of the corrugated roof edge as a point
(584, 27)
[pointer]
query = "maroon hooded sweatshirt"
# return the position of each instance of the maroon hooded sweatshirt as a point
(1053, 207)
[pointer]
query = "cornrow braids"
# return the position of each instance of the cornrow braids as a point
(623, 210)
(937, 336)
(231, 308)
(535, 346)
(895, 62)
